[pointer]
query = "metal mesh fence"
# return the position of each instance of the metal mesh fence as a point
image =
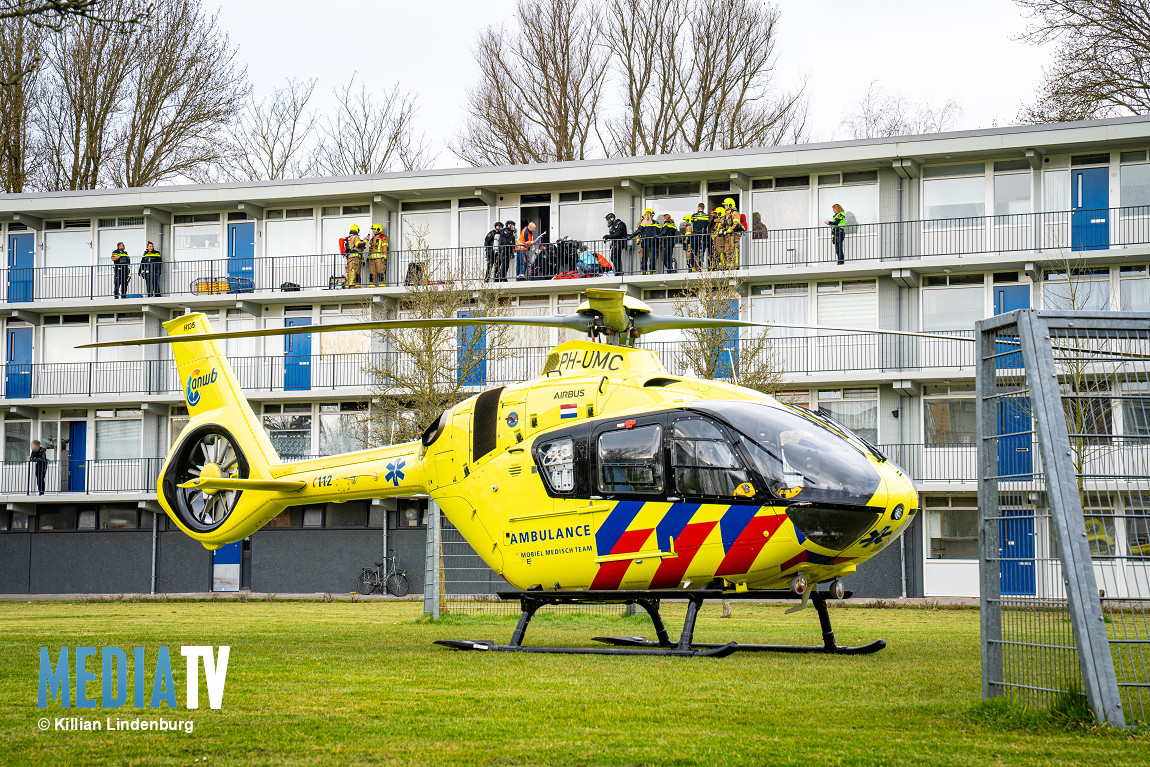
(1064, 495)
(468, 586)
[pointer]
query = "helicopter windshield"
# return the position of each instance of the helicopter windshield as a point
(800, 458)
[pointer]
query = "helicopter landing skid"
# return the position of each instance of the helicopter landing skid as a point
(531, 601)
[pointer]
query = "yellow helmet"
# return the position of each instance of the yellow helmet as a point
(355, 228)
(649, 210)
(729, 203)
(720, 211)
(377, 227)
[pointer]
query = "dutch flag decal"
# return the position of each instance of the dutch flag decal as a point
(568, 411)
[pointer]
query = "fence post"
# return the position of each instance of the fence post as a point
(1066, 514)
(431, 567)
(990, 587)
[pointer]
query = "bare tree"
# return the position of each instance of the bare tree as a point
(18, 91)
(271, 138)
(720, 352)
(647, 42)
(372, 133)
(431, 369)
(879, 114)
(84, 83)
(540, 87)
(185, 89)
(1102, 62)
(730, 99)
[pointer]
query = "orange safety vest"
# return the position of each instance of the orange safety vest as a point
(525, 239)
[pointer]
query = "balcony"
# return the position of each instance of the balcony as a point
(810, 247)
(103, 477)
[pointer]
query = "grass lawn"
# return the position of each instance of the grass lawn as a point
(360, 683)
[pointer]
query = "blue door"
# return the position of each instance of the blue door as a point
(21, 259)
(241, 256)
(226, 567)
(1014, 451)
(1016, 542)
(473, 341)
(297, 356)
(18, 371)
(1008, 298)
(729, 357)
(77, 455)
(1090, 209)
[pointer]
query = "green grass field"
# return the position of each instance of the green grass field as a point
(360, 683)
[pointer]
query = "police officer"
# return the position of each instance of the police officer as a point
(647, 231)
(490, 242)
(121, 271)
(617, 236)
(668, 236)
(700, 237)
(506, 248)
(151, 269)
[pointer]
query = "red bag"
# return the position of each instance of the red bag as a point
(568, 276)
(343, 245)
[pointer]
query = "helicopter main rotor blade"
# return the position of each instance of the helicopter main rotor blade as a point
(577, 322)
(647, 323)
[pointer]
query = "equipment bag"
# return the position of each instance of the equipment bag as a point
(289, 287)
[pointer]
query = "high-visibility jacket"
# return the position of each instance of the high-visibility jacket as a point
(526, 238)
(378, 245)
(701, 223)
(668, 229)
(838, 219)
(644, 231)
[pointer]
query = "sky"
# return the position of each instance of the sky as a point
(932, 51)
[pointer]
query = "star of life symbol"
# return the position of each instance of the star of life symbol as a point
(877, 537)
(395, 472)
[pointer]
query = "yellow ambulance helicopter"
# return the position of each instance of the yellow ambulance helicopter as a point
(605, 479)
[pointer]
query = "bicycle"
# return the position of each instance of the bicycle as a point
(391, 578)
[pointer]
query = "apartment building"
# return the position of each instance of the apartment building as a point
(951, 228)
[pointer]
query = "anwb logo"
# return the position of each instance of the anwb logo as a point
(197, 382)
(112, 667)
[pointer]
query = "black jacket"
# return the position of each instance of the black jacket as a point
(616, 230)
(39, 456)
(120, 257)
(489, 240)
(507, 237)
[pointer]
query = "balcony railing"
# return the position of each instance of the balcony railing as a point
(81, 477)
(793, 355)
(1082, 230)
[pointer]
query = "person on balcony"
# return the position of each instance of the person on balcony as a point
(152, 269)
(700, 237)
(734, 224)
(647, 231)
(838, 231)
(490, 243)
(377, 256)
(506, 248)
(617, 236)
(121, 271)
(39, 460)
(668, 237)
(758, 227)
(354, 245)
(523, 251)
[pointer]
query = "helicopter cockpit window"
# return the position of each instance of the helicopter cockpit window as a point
(800, 458)
(557, 464)
(704, 463)
(631, 460)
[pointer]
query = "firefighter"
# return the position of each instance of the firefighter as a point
(719, 239)
(490, 243)
(668, 237)
(687, 234)
(377, 256)
(617, 236)
(353, 252)
(735, 223)
(700, 237)
(647, 231)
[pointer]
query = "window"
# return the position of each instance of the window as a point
(199, 242)
(1134, 288)
(703, 461)
(410, 514)
(299, 213)
(1077, 289)
(1137, 511)
(87, 519)
(953, 302)
(19, 521)
(56, 520)
(949, 421)
(957, 191)
(289, 429)
(630, 460)
(353, 514)
(339, 427)
(952, 526)
(861, 199)
(1135, 190)
(856, 409)
(313, 516)
(1056, 190)
(1136, 411)
(556, 461)
(117, 518)
(17, 440)
(1011, 193)
(117, 434)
